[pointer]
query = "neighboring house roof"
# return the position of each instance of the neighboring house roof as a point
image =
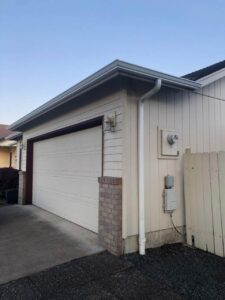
(108, 72)
(205, 71)
(4, 131)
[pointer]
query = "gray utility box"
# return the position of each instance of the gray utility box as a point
(169, 200)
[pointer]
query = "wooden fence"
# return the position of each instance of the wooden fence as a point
(204, 186)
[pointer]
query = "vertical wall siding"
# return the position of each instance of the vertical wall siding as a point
(113, 144)
(199, 117)
(130, 172)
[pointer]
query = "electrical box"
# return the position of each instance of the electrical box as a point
(169, 182)
(168, 144)
(169, 200)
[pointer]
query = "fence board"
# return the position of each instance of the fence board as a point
(193, 203)
(221, 164)
(200, 203)
(204, 188)
(187, 196)
(214, 180)
(207, 204)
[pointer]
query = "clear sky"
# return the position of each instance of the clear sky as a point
(46, 46)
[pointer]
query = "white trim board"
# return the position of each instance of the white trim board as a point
(212, 77)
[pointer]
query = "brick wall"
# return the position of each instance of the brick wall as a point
(22, 186)
(110, 214)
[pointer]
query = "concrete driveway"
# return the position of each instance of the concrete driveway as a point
(32, 240)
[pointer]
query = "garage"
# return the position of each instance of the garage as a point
(65, 175)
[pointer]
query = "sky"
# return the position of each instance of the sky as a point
(46, 46)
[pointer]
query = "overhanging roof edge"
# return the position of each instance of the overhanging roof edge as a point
(104, 74)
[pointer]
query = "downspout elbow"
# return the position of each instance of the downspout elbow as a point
(152, 92)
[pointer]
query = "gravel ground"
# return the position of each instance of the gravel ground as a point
(169, 272)
(190, 273)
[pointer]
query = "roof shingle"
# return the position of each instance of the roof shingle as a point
(205, 71)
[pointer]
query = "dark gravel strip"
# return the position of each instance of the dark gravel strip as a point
(169, 272)
(190, 273)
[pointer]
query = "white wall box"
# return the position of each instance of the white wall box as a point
(168, 144)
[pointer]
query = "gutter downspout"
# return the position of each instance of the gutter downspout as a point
(141, 163)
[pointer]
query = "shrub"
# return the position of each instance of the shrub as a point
(9, 179)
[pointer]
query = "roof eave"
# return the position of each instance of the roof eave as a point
(14, 136)
(166, 78)
(108, 72)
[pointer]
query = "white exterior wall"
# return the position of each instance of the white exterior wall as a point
(198, 116)
(113, 145)
(200, 119)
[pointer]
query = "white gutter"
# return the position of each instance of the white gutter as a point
(141, 163)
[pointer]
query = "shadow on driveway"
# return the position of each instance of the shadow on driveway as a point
(32, 240)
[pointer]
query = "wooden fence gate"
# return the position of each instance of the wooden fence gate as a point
(204, 186)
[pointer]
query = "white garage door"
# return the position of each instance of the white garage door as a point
(65, 176)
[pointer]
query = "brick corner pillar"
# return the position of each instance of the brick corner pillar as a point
(22, 188)
(110, 214)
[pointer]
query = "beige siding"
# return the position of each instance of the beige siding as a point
(14, 157)
(5, 157)
(113, 144)
(17, 160)
(199, 117)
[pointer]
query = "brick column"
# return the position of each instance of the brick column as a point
(22, 187)
(110, 213)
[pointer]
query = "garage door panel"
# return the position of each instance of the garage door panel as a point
(65, 173)
(49, 199)
(76, 190)
(74, 211)
(84, 163)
